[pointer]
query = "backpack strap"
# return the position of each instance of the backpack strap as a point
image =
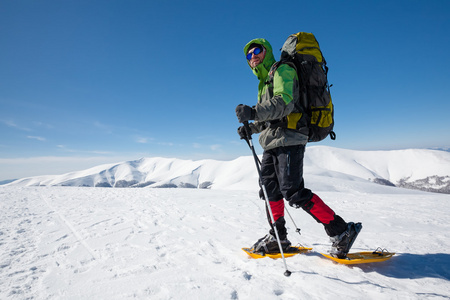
(272, 72)
(275, 67)
(283, 122)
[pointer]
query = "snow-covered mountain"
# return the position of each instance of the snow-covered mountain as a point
(2, 182)
(413, 168)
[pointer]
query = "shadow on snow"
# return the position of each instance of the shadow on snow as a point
(413, 266)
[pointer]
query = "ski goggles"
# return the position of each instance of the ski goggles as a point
(257, 51)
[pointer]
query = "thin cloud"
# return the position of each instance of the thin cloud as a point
(143, 140)
(43, 125)
(103, 127)
(166, 144)
(214, 147)
(98, 152)
(39, 138)
(12, 124)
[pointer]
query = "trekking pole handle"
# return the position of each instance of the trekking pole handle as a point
(248, 130)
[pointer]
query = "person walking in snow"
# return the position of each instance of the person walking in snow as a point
(282, 161)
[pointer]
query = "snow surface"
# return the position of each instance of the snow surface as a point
(103, 243)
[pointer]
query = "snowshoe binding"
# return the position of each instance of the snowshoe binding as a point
(269, 244)
(343, 242)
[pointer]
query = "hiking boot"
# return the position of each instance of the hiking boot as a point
(343, 242)
(269, 244)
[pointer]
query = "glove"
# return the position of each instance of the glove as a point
(245, 113)
(243, 133)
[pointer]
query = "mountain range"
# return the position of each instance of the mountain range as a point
(422, 169)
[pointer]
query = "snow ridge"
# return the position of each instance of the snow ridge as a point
(412, 168)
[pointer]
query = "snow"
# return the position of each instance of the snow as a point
(100, 243)
(409, 166)
(103, 243)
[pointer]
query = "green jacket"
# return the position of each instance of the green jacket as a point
(276, 103)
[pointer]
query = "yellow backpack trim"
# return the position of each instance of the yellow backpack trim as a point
(322, 116)
(307, 44)
(293, 119)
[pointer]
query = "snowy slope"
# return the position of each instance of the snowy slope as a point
(409, 168)
(78, 243)
(155, 172)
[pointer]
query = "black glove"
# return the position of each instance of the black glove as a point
(243, 133)
(245, 113)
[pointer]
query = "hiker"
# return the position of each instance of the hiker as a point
(282, 161)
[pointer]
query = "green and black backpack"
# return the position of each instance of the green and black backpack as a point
(302, 51)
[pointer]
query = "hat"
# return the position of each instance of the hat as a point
(254, 45)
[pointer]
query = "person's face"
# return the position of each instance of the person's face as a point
(258, 58)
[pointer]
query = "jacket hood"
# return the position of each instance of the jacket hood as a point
(262, 70)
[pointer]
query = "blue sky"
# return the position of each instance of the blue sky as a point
(90, 82)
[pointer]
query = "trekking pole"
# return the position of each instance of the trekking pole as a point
(292, 219)
(250, 144)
